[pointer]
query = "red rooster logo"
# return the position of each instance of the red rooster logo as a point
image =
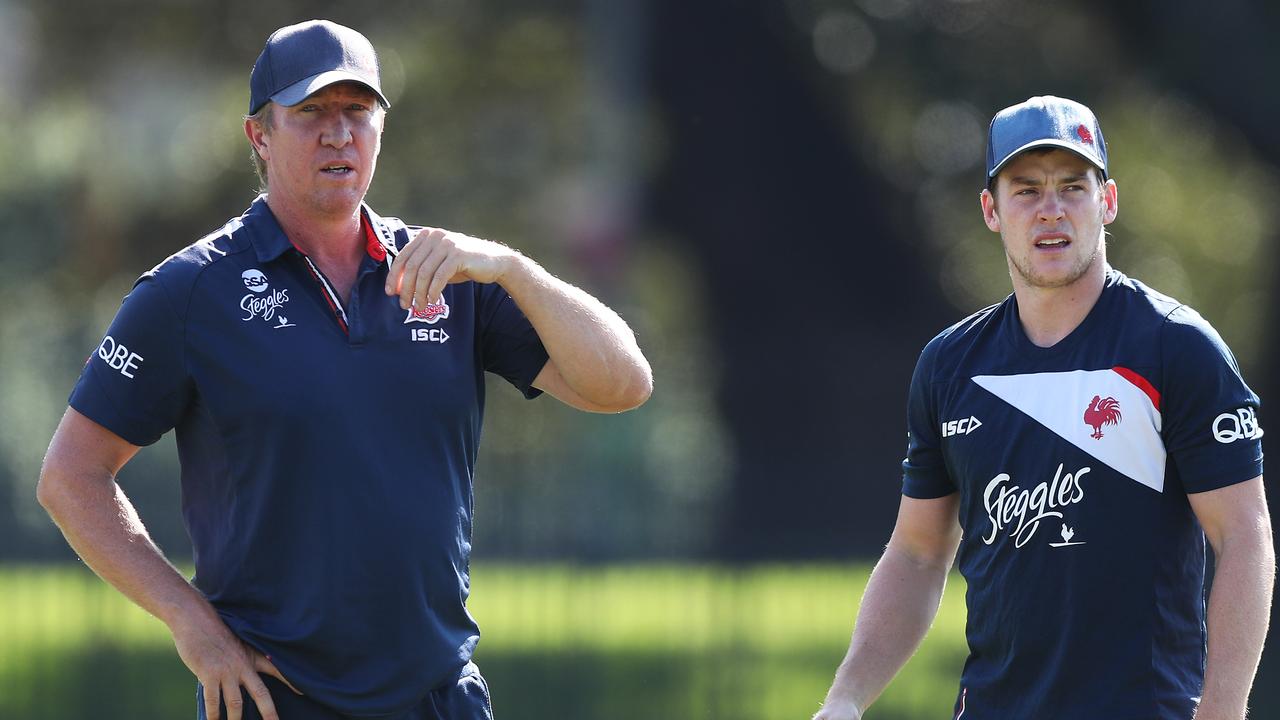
(1102, 411)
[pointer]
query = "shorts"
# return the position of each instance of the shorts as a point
(466, 699)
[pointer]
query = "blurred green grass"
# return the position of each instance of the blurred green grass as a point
(559, 641)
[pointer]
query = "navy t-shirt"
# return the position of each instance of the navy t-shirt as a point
(1084, 561)
(326, 471)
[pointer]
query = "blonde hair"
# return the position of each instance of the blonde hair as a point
(265, 118)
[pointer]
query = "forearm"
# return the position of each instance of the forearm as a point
(592, 347)
(103, 528)
(1239, 611)
(897, 609)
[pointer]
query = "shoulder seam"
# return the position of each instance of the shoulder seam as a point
(186, 306)
(1164, 328)
(1173, 310)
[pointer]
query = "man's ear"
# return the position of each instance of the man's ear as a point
(257, 135)
(1110, 202)
(989, 213)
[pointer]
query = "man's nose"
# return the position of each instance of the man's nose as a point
(337, 132)
(1051, 207)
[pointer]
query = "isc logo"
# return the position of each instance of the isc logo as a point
(435, 335)
(960, 427)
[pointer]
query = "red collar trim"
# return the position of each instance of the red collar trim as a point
(372, 245)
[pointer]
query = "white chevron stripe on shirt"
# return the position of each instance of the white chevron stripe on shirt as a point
(1123, 434)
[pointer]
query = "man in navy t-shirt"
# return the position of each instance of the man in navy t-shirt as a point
(324, 370)
(1077, 443)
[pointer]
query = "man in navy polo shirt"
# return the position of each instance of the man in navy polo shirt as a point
(1077, 443)
(323, 367)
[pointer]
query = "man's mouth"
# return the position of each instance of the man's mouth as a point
(337, 169)
(1052, 241)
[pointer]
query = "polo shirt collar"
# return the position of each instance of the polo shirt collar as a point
(381, 237)
(270, 242)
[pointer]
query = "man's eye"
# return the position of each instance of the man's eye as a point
(1074, 187)
(1026, 191)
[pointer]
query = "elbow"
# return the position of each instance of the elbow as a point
(626, 394)
(47, 493)
(54, 489)
(641, 388)
(636, 391)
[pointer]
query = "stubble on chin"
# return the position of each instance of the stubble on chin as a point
(335, 204)
(1024, 269)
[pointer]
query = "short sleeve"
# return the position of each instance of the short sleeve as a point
(134, 384)
(509, 346)
(924, 472)
(1210, 416)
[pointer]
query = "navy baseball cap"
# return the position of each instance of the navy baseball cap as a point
(1045, 121)
(301, 59)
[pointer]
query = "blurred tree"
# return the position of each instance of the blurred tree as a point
(816, 303)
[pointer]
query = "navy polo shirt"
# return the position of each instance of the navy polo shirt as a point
(327, 452)
(1084, 560)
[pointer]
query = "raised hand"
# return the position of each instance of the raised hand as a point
(436, 257)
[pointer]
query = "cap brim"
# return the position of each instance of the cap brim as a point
(305, 87)
(1093, 159)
